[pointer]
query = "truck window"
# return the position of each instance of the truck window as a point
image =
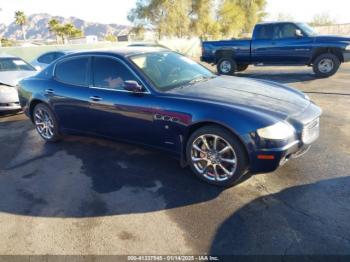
(263, 32)
(284, 31)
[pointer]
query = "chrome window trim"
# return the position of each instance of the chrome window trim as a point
(96, 87)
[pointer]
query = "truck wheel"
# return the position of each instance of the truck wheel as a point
(326, 65)
(226, 66)
(241, 68)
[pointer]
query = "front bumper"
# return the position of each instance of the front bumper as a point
(266, 157)
(346, 56)
(9, 106)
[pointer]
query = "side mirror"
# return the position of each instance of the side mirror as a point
(133, 86)
(298, 33)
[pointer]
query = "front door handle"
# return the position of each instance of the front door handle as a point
(49, 91)
(95, 98)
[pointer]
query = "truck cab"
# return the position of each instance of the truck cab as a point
(279, 43)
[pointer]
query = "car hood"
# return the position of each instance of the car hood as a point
(255, 94)
(332, 38)
(11, 78)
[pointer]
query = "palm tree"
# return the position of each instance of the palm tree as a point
(54, 27)
(21, 20)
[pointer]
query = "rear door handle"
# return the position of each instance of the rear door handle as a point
(95, 98)
(49, 91)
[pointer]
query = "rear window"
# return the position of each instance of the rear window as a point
(49, 57)
(14, 64)
(263, 32)
(73, 71)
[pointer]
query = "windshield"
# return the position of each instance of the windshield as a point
(169, 70)
(307, 29)
(14, 64)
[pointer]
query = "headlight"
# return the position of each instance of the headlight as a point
(347, 47)
(280, 130)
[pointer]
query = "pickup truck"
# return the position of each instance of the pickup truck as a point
(279, 43)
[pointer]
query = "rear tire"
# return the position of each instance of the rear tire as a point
(216, 156)
(326, 65)
(226, 66)
(46, 123)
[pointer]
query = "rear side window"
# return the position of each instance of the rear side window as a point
(109, 73)
(264, 32)
(73, 71)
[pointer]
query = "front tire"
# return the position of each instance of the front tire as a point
(46, 123)
(326, 65)
(226, 66)
(216, 156)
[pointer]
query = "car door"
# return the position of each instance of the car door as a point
(118, 113)
(261, 46)
(70, 94)
(288, 47)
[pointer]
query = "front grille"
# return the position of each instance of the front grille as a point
(311, 131)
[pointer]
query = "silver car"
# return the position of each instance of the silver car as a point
(12, 70)
(47, 58)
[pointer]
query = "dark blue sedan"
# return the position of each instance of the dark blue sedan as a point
(221, 126)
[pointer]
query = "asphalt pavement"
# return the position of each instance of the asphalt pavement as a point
(92, 196)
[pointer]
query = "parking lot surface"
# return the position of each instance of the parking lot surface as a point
(92, 196)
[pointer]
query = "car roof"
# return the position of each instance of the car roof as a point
(4, 55)
(124, 51)
(276, 22)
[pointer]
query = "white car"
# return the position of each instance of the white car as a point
(12, 70)
(47, 58)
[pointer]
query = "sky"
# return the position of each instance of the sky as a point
(115, 11)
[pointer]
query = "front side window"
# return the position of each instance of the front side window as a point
(73, 71)
(14, 64)
(168, 69)
(284, 31)
(110, 73)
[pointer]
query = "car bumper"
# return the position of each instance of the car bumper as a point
(207, 59)
(346, 56)
(269, 159)
(9, 106)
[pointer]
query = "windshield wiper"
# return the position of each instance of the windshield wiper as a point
(200, 79)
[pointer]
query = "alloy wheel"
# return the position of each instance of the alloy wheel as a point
(44, 123)
(213, 157)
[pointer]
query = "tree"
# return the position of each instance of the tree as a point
(231, 18)
(70, 31)
(167, 17)
(53, 27)
(63, 31)
(322, 20)
(253, 12)
(111, 38)
(21, 20)
(203, 23)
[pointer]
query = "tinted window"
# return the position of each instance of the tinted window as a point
(73, 71)
(47, 58)
(14, 64)
(284, 31)
(109, 73)
(264, 32)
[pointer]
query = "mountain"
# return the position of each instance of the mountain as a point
(37, 28)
